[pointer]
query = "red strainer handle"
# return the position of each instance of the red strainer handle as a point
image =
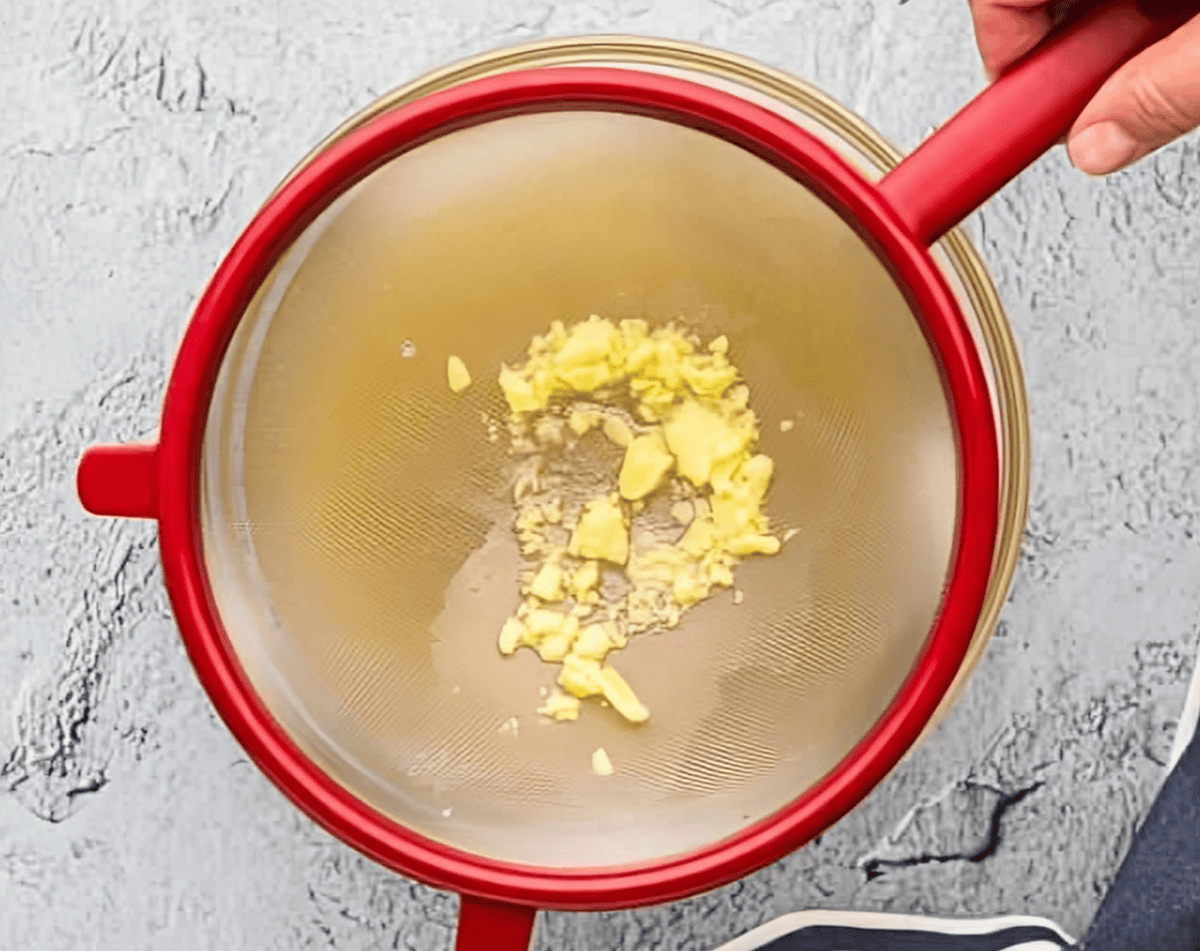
(120, 481)
(488, 926)
(1025, 112)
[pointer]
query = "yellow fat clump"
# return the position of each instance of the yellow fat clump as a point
(457, 375)
(548, 583)
(561, 706)
(584, 581)
(646, 464)
(602, 532)
(601, 764)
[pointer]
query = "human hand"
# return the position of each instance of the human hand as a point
(1150, 101)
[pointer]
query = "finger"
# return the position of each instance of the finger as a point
(1006, 30)
(1152, 100)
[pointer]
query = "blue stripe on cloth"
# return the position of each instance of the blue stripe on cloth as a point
(842, 938)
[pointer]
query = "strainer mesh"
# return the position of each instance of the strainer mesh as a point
(358, 521)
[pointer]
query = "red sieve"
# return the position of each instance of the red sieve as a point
(183, 482)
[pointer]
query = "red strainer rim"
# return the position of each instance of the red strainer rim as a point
(185, 414)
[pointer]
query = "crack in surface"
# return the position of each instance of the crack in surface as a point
(95, 785)
(875, 867)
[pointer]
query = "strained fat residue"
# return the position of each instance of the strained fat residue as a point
(612, 552)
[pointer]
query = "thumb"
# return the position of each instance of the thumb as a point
(1152, 100)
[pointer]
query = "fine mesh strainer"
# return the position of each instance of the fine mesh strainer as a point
(336, 528)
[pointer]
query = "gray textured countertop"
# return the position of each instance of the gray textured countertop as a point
(137, 138)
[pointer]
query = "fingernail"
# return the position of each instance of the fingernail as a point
(1102, 148)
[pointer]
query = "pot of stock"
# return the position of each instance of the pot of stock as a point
(335, 521)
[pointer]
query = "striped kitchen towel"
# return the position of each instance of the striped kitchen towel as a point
(871, 931)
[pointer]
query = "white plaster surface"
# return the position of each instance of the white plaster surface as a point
(137, 137)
